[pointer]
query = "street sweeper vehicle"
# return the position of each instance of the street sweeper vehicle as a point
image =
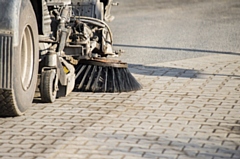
(57, 46)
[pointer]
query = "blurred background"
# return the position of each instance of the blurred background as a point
(156, 31)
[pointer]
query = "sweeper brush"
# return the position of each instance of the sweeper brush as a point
(104, 75)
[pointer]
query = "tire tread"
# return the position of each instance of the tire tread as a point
(7, 108)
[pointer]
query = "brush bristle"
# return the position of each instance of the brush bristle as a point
(93, 78)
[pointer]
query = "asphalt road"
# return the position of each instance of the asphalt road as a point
(156, 31)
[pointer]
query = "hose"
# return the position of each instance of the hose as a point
(97, 22)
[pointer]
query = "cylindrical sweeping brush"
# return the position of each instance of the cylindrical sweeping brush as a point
(100, 75)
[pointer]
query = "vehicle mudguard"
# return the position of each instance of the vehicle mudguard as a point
(9, 35)
(9, 18)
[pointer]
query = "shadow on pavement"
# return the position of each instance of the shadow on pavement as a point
(163, 71)
(173, 72)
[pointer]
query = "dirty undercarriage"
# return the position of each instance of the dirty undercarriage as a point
(75, 52)
(80, 36)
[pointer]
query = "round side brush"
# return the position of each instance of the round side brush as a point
(102, 75)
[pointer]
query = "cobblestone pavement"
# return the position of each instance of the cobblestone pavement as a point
(186, 109)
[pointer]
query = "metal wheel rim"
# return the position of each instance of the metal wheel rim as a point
(27, 57)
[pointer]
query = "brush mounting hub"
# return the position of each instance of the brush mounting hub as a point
(104, 63)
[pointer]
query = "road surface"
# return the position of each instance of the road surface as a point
(185, 55)
(152, 31)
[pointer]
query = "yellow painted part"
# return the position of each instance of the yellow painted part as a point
(65, 69)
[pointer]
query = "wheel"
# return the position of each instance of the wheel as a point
(21, 69)
(48, 86)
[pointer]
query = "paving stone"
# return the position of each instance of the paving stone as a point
(194, 114)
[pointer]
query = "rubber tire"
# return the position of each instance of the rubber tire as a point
(16, 101)
(47, 86)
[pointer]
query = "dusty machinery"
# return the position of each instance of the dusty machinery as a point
(66, 44)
